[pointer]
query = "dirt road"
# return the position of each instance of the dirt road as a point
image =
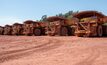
(45, 50)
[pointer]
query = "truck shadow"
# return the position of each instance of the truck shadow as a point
(96, 37)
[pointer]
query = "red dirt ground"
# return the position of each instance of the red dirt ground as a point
(45, 50)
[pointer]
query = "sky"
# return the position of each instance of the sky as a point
(12, 11)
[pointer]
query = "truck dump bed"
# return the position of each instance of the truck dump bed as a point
(87, 14)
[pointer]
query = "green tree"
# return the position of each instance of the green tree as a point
(43, 18)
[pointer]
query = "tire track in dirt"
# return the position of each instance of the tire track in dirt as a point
(16, 54)
(13, 44)
(20, 50)
(95, 53)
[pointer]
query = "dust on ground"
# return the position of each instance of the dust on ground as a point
(45, 50)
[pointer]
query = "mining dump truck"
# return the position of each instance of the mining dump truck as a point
(58, 26)
(90, 23)
(32, 28)
(8, 30)
(104, 26)
(17, 29)
(1, 30)
(42, 26)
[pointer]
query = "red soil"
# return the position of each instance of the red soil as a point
(44, 50)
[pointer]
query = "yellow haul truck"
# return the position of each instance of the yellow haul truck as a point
(59, 26)
(90, 23)
(17, 29)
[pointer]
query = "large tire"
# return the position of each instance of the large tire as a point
(99, 31)
(37, 32)
(70, 31)
(64, 31)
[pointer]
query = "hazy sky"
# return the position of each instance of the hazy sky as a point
(19, 10)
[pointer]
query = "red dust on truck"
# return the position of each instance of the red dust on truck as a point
(17, 29)
(58, 26)
(33, 28)
(90, 23)
(1, 30)
(8, 30)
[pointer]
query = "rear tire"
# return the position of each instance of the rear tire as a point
(99, 31)
(37, 32)
(64, 31)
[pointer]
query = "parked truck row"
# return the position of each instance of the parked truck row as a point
(28, 28)
(85, 23)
